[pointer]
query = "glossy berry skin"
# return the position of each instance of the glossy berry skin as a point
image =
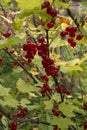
(44, 78)
(50, 24)
(71, 29)
(1, 115)
(79, 37)
(63, 34)
(13, 125)
(71, 42)
(41, 40)
(51, 11)
(45, 4)
(7, 35)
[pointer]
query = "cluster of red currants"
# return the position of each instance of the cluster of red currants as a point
(30, 49)
(50, 11)
(47, 62)
(56, 112)
(12, 125)
(21, 114)
(44, 78)
(62, 89)
(71, 32)
(45, 89)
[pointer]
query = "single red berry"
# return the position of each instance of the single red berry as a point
(1, 115)
(25, 109)
(70, 40)
(79, 37)
(1, 59)
(11, 51)
(63, 33)
(41, 40)
(72, 34)
(68, 92)
(45, 4)
(50, 24)
(6, 35)
(23, 63)
(15, 63)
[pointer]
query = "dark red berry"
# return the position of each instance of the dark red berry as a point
(25, 109)
(50, 24)
(45, 4)
(11, 51)
(41, 40)
(1, 59)
(6, 35)
(15, 63)
(79, 37)
(1, 115)
(63, 33)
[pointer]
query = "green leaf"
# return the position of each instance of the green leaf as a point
(67, 109)
(49, 104)
(25, 87)
(62, 123)
(10, 101)
(4, 91)
(10, 41)
(28, 4)
(24, 102)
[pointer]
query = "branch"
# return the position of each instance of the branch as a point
(29, 74)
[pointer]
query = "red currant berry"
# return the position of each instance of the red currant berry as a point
(63, 33)
(1, 115)
(79, 37)
(6, 35)
(50, 24)
(45, 4)
(41, 40)
(1, 59)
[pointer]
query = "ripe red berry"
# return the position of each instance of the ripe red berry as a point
(71, 42)
(63, 33)
(25, 109)
(45, 4)
(50, 24)
(41, 40)
(15, 63)
(1, 59)
(12, 125)
(72, 34)
(44, 77)
(1, 115)
(55, 112)
(79, 37)
(71, 29)
(11, 51)
(23, 63)
(6, 35)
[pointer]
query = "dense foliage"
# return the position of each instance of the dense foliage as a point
(43, 65)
